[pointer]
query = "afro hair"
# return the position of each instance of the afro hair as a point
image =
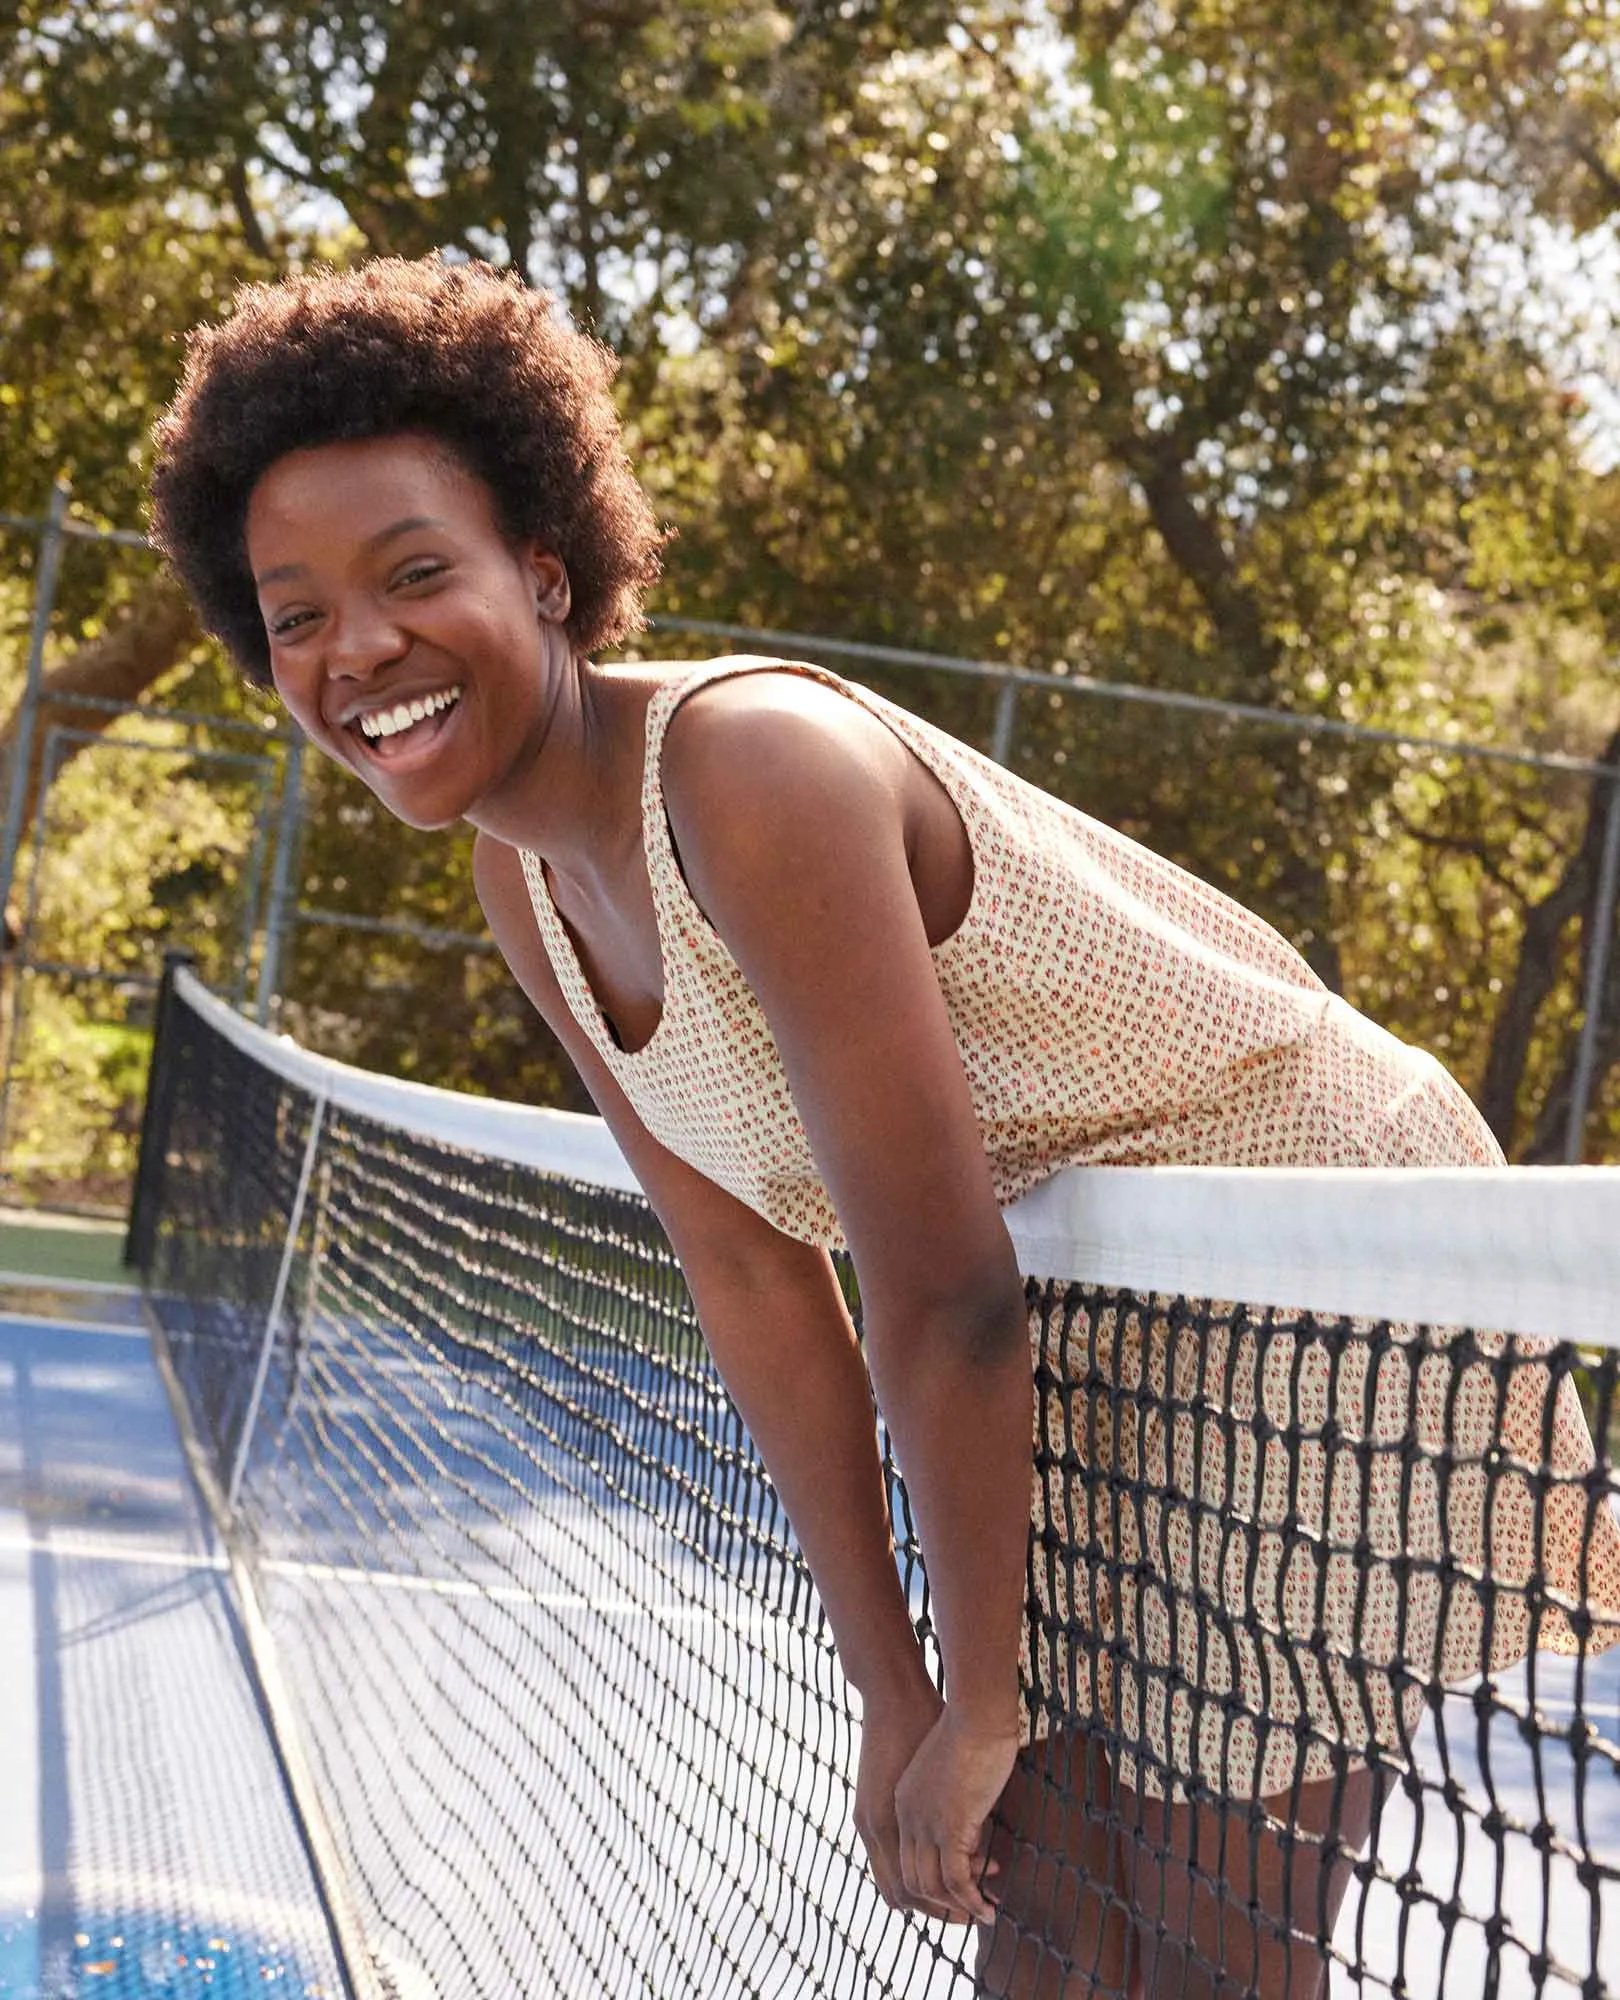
(463, 353)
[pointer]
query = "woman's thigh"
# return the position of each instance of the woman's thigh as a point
(1063, 1932)
(1242, 1899)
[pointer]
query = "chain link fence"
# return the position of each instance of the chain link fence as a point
(1363, 844)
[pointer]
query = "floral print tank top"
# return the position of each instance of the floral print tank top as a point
(1108, 1006)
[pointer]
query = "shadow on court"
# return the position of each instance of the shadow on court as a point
(144, 1828)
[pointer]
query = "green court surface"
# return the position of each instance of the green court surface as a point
(41, 1244)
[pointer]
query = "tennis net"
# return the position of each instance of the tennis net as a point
(549, 1675)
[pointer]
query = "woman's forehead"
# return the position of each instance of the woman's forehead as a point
(348, 486)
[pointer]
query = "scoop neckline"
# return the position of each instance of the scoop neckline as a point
(597, 1020)
(563, 948)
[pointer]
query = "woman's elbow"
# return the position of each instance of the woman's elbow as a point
(973, 1312)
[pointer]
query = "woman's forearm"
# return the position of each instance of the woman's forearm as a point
(792, 1364)
(957, 1392)
(955, 1385)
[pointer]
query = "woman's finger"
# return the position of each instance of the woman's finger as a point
(909, 1863)
(883, 1859)
(960, 1870)
(928, 1881)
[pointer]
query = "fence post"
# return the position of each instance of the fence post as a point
(22, 749)
(1603, 920)
(13, 1026)
(1006, 710)
(276, 912)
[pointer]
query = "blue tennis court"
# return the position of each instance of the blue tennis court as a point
(146, 1842)
(147, 1845)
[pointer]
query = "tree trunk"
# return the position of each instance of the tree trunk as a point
(1534, 978)
(1546, 1144)
(1196, 547)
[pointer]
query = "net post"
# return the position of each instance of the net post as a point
(145, 1201)
(317, 1119)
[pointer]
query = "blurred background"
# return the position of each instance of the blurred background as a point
(1209, 407)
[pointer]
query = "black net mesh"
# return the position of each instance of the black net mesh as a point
(573, 1710)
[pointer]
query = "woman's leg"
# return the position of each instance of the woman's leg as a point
(1229, 1903)
(1064, 1928)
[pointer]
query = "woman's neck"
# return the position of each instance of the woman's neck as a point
(573, 795)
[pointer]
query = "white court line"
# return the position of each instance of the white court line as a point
(128, 1892)
(508, 1593)
(48, 1324)
(753, 1624)
(31, 1281)
(22, 1542)
(13, 1542)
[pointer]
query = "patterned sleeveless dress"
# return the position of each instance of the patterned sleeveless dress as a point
(1236, 1602)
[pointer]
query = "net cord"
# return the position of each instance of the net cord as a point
(272, 1319)
(557, 1142)
(1529, 1250)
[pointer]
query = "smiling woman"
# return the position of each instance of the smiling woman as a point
(835, 980)
(482, 366)
(405, 626)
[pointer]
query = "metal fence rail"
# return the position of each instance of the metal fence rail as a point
(278, 834)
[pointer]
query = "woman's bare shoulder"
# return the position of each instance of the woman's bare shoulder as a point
(756, 729)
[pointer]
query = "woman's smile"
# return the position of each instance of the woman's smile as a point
(401, 730)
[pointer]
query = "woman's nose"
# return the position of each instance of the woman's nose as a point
(362, 639)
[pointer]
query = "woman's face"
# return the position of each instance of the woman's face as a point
(407, 635)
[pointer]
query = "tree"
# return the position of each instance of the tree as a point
(1207, 383)
(1166, 342)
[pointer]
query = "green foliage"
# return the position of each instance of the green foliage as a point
(145, 845)
(178, 832)
(1197, 344)
(74, 1088)
(1122, 197)
(109, 248)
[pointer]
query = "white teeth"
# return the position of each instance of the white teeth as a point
(390, 721)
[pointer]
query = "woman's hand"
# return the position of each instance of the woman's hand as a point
(943, 1803)
(893, 1725)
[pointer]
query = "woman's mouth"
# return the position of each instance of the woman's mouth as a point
(391, 735)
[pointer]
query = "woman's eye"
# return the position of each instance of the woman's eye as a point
(420, 572)
(288, 622)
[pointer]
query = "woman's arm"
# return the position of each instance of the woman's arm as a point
(775, 1320)
(796, 816)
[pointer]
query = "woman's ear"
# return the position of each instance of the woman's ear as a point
(552, 597)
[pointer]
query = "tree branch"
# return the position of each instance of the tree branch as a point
(242, 197)
(1453, 843)
(1195, 546)
(1607, 179)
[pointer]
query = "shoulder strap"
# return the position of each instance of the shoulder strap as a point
(663, 866)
